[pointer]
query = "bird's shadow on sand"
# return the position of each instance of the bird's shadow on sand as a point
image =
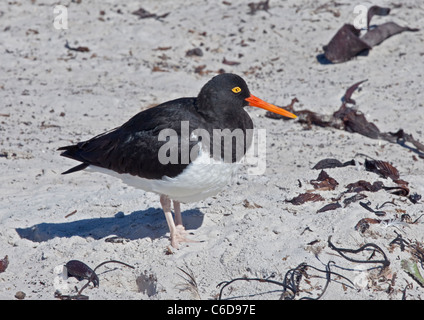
(136, 225)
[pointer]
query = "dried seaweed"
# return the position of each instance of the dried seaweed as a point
(330, 206)
(375, 248)
(414, 198)
(363, 185)
(292, 280)
(305, 197)
(324, 182)
(348, 43)
(78, 49)
(81, 271)
(194, 52)
(364, 224)
(376, 11)
(347, 98)
(400, 241)
(4, 263)
(380, 33)
(230, 63)
(345, 45)
(144, 14)
(332, 163)
(366, 205)
(356, 197)
(382, 168)
(256, 6)
(351, 120)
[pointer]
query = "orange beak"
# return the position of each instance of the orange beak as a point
(256, 102)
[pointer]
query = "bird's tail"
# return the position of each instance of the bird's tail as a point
(71, 152)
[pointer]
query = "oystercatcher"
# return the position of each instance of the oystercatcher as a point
(174, 150)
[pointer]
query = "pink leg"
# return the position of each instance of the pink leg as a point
(177, 212)
(176, 228)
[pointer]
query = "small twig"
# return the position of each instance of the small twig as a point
(79, 49)
(70, 214)
(191, 281)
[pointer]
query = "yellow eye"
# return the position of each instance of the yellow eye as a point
(236, 89)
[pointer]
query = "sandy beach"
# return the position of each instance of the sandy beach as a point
(61, 86)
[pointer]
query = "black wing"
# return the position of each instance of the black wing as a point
(133, 147)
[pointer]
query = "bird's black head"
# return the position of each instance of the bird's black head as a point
(228, 93)
(222, 91)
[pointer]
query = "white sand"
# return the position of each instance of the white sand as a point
(54, 97)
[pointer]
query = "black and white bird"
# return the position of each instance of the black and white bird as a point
(170, 149)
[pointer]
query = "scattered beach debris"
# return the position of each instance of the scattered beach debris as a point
(4, 263)
(20, 295)
(329, 207)
(190, 283)
(194, 52)
(230, 63)
(324, 182)
(257, 6)
(78, 49)
(375, 249)
(354, 198)
(399, 240)
(344, 45)
(252, 205)
(81, 271)
(292, 281)
(382, 168)
(299, 279)
(330, 163)
(351, 120)
(364, 224)
(117, 239)
(362, 185)
(144, 14)
(348, 42)
(366, 205)
(411, 268)
(70, 214)
(305, 197)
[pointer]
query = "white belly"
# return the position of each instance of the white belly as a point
(203, 178)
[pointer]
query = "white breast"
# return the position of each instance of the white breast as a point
(202, 178)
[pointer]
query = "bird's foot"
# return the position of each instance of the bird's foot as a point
(179, 235)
